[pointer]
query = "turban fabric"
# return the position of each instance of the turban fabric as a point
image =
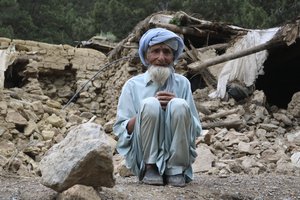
(160, 35)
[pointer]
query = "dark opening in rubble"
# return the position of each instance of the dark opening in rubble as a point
(282, 71)
(196, 81)
(58, 84)
(14, 76)
(20, 128)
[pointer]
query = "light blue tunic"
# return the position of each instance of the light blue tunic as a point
(137, 93)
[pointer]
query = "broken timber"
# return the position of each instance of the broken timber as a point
(227, 124)
(199, 65)
(221, 114)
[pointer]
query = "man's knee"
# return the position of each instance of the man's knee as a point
(178, 107)
(150, 107)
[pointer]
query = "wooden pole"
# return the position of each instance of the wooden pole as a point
(198, 66)
(228, 124)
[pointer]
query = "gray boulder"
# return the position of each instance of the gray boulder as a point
(83, 157)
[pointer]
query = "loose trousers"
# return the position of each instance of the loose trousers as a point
(162, 137)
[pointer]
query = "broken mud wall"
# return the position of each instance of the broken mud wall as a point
(56, 71)
(257, 62)
(38, 82)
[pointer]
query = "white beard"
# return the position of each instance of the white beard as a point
(159, 74)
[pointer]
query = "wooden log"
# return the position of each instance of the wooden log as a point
(199, 65)
(220, 46)
(227, 124)
(187, 30)
(199, 21)
(220, 114)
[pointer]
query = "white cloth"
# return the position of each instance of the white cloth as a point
(247, 68)
(7, 57)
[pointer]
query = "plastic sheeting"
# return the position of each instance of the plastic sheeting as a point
(7, 57)
(247, 68)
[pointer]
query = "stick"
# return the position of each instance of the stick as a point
(197, 66)
(221, 114)
(92, 119)
(203, 49)
(227, 124)
(185, 30)
(214, 46)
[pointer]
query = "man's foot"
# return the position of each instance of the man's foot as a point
(152, 177)
(177, 180)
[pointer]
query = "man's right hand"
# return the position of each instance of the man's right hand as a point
(130, 125)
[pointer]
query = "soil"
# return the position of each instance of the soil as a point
(211, 187)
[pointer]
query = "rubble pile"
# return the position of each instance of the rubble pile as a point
(248, 138)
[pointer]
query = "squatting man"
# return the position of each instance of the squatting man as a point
(157, 121)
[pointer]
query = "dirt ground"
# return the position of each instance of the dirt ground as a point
(233, 187)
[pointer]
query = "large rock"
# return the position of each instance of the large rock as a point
(295, 158)
(79, 192)
(294, 137)
(204, 160)
(294, 105)
(83, 157)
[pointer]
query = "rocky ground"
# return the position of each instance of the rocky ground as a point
(233, 187)
(257, 159)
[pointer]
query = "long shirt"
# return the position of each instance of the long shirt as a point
(140, 87)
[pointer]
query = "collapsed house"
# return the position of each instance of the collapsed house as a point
(227, 58)
(263, 59)
(47, 89)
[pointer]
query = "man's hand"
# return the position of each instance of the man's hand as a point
(164, 98)
(130, 125)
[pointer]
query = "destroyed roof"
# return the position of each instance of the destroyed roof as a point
(99, 43)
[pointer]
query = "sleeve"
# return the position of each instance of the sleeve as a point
(125, 111)
(190, 100)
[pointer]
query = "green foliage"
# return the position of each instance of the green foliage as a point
(251, 16)
(175, 21)
(70, 21)
(245, 13)
(7, 31)
(119, 16)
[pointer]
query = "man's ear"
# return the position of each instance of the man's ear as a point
(146, 58)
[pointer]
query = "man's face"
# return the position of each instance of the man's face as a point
(160, 58)
(160, 55)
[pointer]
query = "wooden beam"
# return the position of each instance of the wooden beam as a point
(220, 114)
(227, 124)
(199, 65)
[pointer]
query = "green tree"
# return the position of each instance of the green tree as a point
(60, 21)
(69, 21)
(245, 13)
(14, 22)
(120, 16)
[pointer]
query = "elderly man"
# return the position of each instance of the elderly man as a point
(157, 121)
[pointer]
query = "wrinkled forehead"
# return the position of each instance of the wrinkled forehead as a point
(160, 46)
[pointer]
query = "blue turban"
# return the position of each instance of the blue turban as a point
(160, 35)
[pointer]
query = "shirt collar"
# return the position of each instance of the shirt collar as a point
(147, 79)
